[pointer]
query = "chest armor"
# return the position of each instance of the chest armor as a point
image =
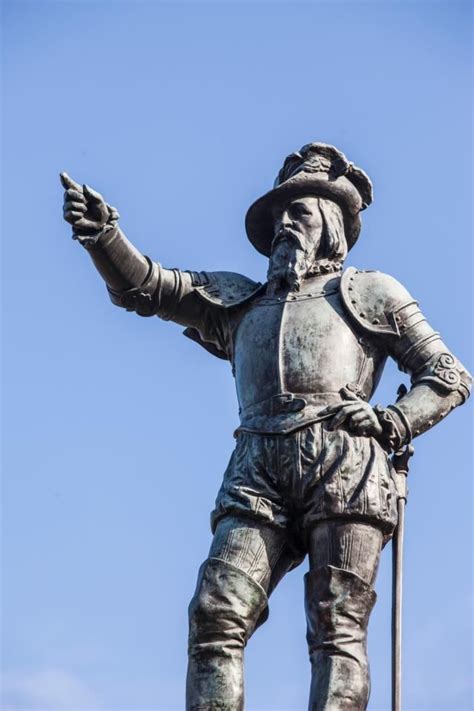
(297, 350)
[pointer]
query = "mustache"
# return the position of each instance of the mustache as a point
(286, 233)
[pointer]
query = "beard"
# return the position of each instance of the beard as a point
(288, 263)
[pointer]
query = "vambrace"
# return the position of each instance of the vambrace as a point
(141, 299)
(136, 283)
(132, 279)
(167, 293)
(118, 262)
(439, 381)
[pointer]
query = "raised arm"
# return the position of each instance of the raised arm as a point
(207, 303)
(134, 281)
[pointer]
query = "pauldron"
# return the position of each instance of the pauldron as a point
(225, 289)
(374, 301)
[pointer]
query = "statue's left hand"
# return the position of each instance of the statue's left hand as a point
(357, 416)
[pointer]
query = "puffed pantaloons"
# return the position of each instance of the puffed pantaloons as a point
(246, 561)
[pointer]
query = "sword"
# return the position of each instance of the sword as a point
(400, 462)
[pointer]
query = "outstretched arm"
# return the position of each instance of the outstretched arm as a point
(134, 281)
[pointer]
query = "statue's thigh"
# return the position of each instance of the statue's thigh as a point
(351, 546)
(261, 551)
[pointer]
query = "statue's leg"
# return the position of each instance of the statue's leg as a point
(246, 560)
(339, 599)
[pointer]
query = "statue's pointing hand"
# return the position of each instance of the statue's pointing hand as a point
(356, 415)
(86, 210)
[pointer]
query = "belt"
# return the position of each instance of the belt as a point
(287, 412)
(286, 403)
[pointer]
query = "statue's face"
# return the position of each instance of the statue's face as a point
(301, 220)
(297, 228)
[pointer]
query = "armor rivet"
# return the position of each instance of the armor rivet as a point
(362, 314)
(430, 422)
(350, 288)
(375, 321)
(354, 302)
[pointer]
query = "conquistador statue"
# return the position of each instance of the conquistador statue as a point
(311, 472)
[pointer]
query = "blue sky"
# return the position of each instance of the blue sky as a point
(117, 429)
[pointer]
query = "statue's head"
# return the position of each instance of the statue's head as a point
(308, 239)
(311, 217)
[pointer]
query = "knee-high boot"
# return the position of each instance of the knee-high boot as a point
(224, 612)
(338, 606)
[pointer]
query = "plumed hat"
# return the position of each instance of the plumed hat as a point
(317, 170)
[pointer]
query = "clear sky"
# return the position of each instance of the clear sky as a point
(118, 429)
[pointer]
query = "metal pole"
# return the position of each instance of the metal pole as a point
(397, 600)
(400, 462)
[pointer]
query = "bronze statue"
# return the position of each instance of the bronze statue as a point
(311, 473)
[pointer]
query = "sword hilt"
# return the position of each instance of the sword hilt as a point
(400, 462)
(401, 459)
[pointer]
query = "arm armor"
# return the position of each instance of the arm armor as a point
(118, 262)
(380, 306)
(197, 300)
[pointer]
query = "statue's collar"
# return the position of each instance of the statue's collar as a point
(324, 267)
(312, 287)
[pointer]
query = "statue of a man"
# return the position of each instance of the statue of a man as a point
(311, 472)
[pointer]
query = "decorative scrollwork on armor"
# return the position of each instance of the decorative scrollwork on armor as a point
(445, 369)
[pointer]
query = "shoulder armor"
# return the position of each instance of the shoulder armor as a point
(225, 289)
(211, 348)
(373, 300)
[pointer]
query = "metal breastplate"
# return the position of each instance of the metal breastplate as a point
(293, 354)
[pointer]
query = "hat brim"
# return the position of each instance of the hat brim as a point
(259, 221)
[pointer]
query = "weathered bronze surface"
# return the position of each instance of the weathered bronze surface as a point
(312, 472)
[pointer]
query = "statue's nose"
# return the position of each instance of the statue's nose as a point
(285, 219)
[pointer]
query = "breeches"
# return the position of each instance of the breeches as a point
(307, 477)
(246, 561)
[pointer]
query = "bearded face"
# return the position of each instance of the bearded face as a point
(298, 230)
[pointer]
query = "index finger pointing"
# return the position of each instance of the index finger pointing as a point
(68, 182)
